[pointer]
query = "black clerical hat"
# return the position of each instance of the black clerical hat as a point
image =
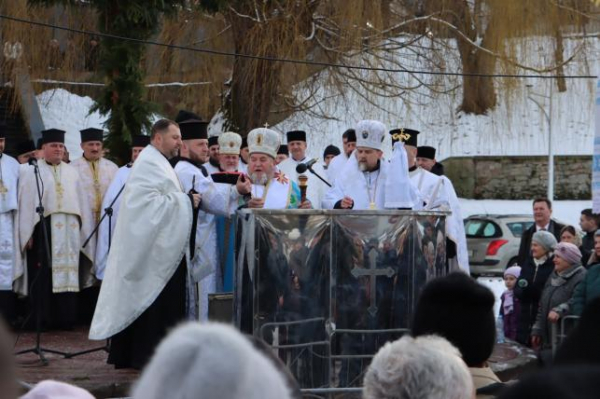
(213, 140)
(39, 143)
(25, 147)
(244, 143)
(193, 129)
(426, 152)
(408, 136)
(283, 149)
(53, 136)
(91, 134)
(331, 150)
(296, 135)
(350, 135)
(140, 140)
(184, 115)
(226, 177)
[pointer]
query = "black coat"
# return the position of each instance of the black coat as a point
(525, 247)
(529, 289)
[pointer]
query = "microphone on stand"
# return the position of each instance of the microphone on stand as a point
(303, 167)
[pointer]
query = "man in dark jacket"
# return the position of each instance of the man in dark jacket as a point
(589, 223)
(542, 213)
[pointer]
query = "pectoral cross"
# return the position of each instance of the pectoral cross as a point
(372, 272)
(3, 189)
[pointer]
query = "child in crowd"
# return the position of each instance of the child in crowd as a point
(510, 308)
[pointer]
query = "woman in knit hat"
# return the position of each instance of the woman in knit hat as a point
(556, 296)
(510, 307)
(530, 283)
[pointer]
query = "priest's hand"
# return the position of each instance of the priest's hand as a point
(197, 198)
(306, 204)
(553, 316)
(256, 203)
(243, 185)
(347, 203)
(29, 243)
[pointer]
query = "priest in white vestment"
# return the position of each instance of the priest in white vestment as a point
(296, 142)
(212, 166)
(367, 181)
(143, 294)
(58, 281)
(11, 265)
(113, 196)
(337, 163)
(437, 192)
(95, 174)
(244, 155)
(270, 189)
(217, 200)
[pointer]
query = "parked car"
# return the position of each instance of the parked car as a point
(493, 241)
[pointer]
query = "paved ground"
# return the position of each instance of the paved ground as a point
(88, 371)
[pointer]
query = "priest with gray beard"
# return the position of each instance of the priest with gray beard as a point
(144, 290)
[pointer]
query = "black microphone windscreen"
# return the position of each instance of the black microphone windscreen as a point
(301, 168)
(32, 161)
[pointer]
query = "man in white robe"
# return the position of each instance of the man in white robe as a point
(270, 189)
(11, 266)
(217, 200)
(244, 155)
(58, 282)
(95, 174)
(437, 192)
(296, 142)
(212, 166)
(337, 163)
(113, 195)
(367, 181)
(143, 294)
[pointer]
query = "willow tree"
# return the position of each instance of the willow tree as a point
(120, 62)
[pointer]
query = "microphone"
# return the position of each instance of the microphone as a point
(32, 161)
(303, 167)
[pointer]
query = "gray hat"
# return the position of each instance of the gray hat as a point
(545, 239)
(212, 361)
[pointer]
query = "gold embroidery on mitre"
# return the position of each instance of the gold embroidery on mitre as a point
(231, 144)
(259, 139)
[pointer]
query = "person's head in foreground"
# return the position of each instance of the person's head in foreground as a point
(57, 390)
(209, 361)
(427, 367)
(8, 382)
(459, 309)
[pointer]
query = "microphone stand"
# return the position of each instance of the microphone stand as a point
(316, 174)
(107, 212)
(45, 263)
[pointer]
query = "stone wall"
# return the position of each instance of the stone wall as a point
(520, 177)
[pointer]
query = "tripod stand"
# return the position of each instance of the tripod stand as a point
(44, 268)
(107, 212)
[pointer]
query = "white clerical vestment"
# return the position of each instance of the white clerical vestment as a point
(279, 193)
(316, 188)
(94, 179)
(388, 187)
(11, 265)
(336, 165)
(438, 192)
(107, 229)
(210, 168)
(151, 238)
(61, 202)
(217, 199)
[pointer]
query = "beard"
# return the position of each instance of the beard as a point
(363, 167)
(260, 178)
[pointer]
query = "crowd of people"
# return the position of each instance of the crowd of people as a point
(153, 235)
(445, 355)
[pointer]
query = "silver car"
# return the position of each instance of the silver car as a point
(493, 241)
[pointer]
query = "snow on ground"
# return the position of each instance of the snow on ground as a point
(63, 110)
(564, 211)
